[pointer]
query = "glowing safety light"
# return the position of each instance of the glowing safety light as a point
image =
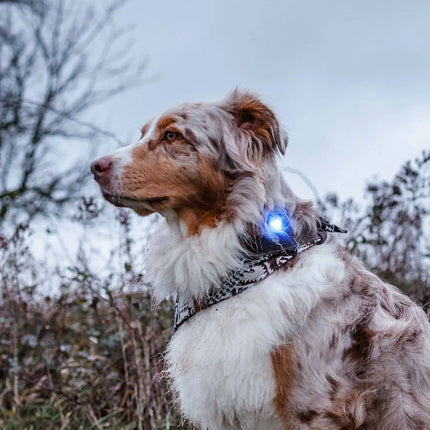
(277, 223)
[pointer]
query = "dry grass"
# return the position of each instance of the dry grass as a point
(77, 362)
(89, 357)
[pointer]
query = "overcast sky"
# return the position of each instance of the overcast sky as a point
(349, 80)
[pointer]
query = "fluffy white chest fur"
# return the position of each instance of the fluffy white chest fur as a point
(220, 360)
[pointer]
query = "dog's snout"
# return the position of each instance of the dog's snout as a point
(101, 166)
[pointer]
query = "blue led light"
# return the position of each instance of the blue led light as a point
(277, 223)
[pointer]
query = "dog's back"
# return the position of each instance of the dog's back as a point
(362, 359)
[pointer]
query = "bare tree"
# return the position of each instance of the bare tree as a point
(58, 59)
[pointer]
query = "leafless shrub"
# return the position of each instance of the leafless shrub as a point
(90, 356)
(391, 231)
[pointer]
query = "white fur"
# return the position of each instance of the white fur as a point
(220, 360)
(190, 265)
(124, 156)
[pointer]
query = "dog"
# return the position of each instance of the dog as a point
(274, 328)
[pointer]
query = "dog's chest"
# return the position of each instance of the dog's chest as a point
(220, 362)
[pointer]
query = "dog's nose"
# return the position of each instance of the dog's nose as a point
(101, 166)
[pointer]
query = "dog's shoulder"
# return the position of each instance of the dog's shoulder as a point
(369, 344)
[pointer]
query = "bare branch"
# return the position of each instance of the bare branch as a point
(49, 78)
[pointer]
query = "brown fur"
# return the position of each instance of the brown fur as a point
(156, 172)
(283, 363)
(256, 120)
(144, 130)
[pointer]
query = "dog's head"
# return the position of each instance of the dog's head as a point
(191, 160)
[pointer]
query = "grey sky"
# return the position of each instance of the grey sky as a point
(350, 81)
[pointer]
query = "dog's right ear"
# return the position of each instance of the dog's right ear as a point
(261, 136)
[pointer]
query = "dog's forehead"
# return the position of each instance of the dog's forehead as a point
(197, 118)
(191, 114)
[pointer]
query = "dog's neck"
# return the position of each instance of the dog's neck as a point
(265, 255)
(191, 265)
(201, 276)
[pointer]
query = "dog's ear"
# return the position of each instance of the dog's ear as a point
(257, 125)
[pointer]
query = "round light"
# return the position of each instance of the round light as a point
(276, 227)
(276, 224)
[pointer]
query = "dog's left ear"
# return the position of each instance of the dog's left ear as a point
(258, 127)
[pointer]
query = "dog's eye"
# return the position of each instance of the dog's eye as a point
(170, 135)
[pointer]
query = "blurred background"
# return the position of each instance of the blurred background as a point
(80, 343)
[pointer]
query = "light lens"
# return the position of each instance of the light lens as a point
(276, 224)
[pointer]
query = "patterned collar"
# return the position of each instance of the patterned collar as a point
(264, 257)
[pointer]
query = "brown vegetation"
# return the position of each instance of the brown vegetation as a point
(86, 357)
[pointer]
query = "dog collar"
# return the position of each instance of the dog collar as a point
(265, 256)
